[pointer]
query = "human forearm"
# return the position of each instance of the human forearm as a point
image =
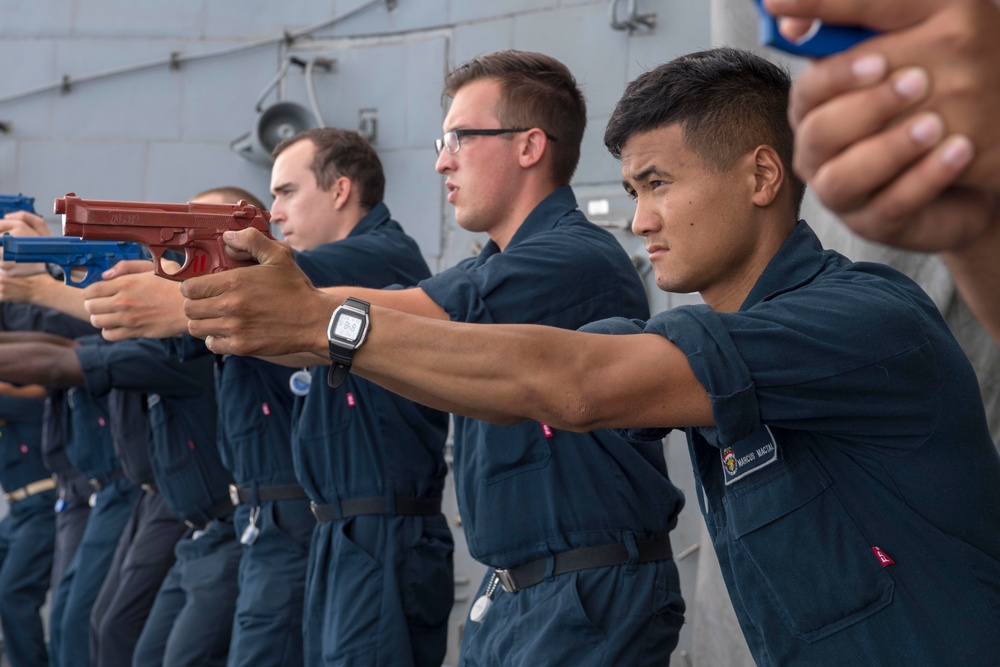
(59, 296)
(413, 300)
(7, 337)
(506, 373)
(24, 391)
(40, 363)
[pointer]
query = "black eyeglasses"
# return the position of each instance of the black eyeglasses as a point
(451, 141)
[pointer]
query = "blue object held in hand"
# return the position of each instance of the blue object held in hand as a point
(69, 253)
(11, 203)
(825, 41)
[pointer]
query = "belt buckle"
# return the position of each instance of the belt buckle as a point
(313, 508)
(95, 484)
(507, 580)
(234, 495)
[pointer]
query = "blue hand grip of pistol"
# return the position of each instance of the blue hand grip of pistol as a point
(826, 41)
(11, 203)
(70, 253)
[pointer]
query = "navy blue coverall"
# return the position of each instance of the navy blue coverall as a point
(127, 372)
(380, 581)
(528, 494)
(255, 422)
(72, 508)
(850, 484)
(27, 533)
(192, 618)
(90, 448)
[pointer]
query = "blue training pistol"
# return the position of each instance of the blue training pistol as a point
(70, 253)
(825, 41)
(18, 202)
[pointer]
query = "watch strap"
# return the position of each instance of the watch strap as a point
(340, 367)
(337, 374)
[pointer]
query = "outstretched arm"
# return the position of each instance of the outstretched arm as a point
(25, 391)
(501, 373)
(45, 363)
(43, 290)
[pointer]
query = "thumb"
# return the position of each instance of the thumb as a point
(250, 242)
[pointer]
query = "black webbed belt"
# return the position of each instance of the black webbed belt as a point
(607, 555)
(265, 494)
(377, 505)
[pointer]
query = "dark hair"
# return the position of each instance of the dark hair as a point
(536, 90)
(727, 102)
(343, 153)
(233, 194)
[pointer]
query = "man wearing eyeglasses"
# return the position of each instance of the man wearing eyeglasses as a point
(574, 526)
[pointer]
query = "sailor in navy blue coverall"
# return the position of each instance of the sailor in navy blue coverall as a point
(123, 370)
(890, 564)
(504, 475)
(27, 533)
(380, 575)
(380, 581)
(272, 519)
(532, 496)
(90, 448)
(145, 550)
(192, 617)
(72, 508)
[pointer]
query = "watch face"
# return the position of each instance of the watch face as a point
(347, 327)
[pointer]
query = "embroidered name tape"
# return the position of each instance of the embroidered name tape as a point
(749, 455)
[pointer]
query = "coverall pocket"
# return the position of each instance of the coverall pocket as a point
(179, 473)
(524, 447)
(816, 568)
(353, 604)
(294, 522)
(557, 630)
(429, 580)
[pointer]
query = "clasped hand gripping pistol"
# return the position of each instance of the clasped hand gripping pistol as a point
(70, 253)
(825, 41)
(11, 203)
(194, 229)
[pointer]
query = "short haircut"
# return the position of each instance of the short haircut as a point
(536, 90)
(727, 102)
(343, 153)
(232, 194)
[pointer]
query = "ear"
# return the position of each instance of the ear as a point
(533, 146)
(341, 192)
(769, 175)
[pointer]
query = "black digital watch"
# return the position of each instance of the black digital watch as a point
(346, 332)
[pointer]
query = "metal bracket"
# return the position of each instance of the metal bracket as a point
(634, 21)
